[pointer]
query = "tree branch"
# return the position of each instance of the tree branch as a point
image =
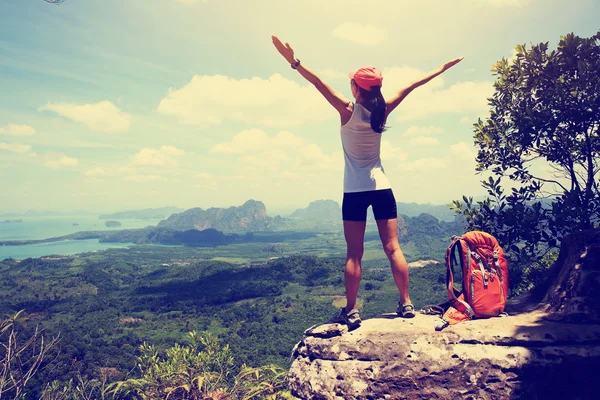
(549, 181)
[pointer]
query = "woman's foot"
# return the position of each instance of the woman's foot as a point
(352, 318)
(405, 310)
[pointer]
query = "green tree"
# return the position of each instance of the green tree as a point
(544, 114)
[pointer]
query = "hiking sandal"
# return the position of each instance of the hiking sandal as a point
(352, 319)
(406, 310)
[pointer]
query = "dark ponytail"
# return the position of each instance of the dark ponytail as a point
(377, 107)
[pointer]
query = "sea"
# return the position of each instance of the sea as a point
(54, 226)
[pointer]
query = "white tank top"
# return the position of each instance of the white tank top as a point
(363, 170)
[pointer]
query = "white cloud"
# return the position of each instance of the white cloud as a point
(494, 3)
(92, 180)
(102, 117)
(460, 157)
(391, 153)
(150, 193)
(366, 35)
(329, 73)
(189, 2)
(433, 98)
(61, 161)
(145, 178)
(278, 153)
(424, 165)
(502, 3)
(88, 145)
(17, 130)
(463, 150)
(465, 121)
(279, 102)
(276, 101)
(437, 179)
(15, 148)
(202, 175)
(415, 130)
(165, 156)
(96, 172)
(288, 175)
(424, 141)
(253, 140)
(398, 77)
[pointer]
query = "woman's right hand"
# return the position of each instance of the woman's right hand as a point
(284, 49)
(451, 64)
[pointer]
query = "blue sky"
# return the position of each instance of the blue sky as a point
(111, 105)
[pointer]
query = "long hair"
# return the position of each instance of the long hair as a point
(376, 105)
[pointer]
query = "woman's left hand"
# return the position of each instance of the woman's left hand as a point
(284, 49)
(451, 63)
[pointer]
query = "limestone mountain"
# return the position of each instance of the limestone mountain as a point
(251, 216)
(441, 212)
(322, 210)
(330, 210)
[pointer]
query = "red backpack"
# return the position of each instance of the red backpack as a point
(485, 278)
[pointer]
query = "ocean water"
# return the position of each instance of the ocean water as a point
(47, 227)
(64, 247)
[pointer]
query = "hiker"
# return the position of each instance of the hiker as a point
(365, 183)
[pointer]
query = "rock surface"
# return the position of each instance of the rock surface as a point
(388, 357)
(544, 353)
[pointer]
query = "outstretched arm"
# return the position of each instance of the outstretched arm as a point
(393, 102)
(338, 101)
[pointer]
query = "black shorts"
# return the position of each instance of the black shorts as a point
(354, 205)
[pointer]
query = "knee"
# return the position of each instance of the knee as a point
(390, 250)
(355, 253)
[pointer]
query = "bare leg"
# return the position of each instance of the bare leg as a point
(354, 232)
(388, 232)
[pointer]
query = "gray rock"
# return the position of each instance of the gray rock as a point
(493, 358)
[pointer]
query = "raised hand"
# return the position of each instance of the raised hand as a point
(451, 64)
(284, 49)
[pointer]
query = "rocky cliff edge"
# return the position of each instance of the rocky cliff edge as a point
(541, 350)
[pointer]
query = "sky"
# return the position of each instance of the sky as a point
(109, 105)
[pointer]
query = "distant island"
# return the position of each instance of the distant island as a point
(8, 221)
(147, 213)
(112, 224)
(221, 226)
(249, 217)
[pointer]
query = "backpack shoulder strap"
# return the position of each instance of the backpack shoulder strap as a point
(453, 294)
(450, 262)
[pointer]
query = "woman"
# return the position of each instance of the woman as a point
(365, 182)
